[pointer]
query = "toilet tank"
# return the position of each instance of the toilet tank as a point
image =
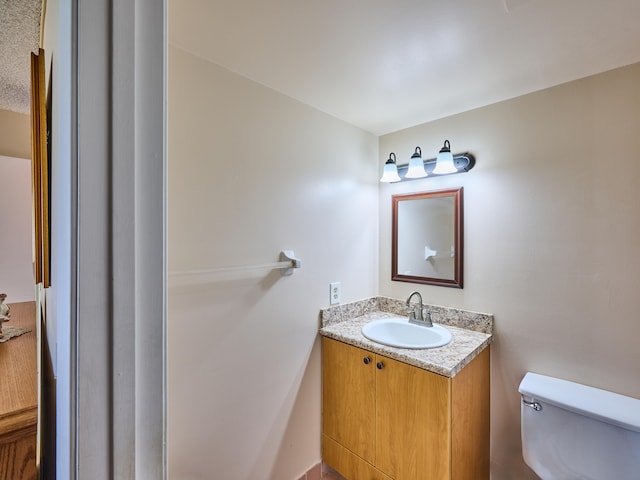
(575, 432)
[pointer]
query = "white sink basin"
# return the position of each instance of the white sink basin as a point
(398, 332)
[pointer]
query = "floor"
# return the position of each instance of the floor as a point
(321, 472)
(331, 476)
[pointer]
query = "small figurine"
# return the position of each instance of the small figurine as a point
(5, 311)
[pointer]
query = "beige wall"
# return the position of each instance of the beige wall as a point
(552, 232)
(551, 236)
(16, 267)
(252, 172)
(15, 134)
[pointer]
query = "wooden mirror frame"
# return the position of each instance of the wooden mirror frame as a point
(457, 281)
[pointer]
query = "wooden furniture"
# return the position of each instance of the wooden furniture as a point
(40, 170)
(19, 397)
(386, 420)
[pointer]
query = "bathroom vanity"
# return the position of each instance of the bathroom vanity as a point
(403, 414)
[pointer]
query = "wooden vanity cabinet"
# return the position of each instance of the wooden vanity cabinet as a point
(19, 398)
(387, 420)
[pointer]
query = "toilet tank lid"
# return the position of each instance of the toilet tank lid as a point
(602, 405)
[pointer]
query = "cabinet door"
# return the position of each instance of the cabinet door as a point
(348, 402)
(413, 432)
(348, 464)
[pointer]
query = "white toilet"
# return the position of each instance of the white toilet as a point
(575, 432)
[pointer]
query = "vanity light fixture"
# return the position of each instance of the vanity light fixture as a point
(390, 173)
(416, 165)
(446, 163)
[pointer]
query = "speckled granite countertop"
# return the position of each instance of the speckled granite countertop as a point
(471, 331)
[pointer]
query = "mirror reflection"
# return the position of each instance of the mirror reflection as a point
(427, 238)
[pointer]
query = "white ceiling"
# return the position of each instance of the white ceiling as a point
(19, 36)
(384, 65)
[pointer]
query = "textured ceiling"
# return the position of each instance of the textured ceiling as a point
(384, 65)
(19, 36)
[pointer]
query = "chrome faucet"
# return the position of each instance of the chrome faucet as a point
(416, 312)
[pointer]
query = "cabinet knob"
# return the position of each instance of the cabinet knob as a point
(366, 360)
(380, 365)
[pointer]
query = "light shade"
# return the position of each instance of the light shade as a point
(444, 162)
(416, 165)
(390, 172)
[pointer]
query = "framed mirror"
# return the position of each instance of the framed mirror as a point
(427, 240)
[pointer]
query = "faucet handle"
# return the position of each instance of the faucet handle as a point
(426, 316)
